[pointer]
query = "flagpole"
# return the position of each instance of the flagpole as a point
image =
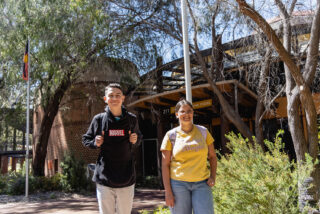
(186, 51)
(27, 122)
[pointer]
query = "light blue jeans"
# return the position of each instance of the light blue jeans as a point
(188, 196)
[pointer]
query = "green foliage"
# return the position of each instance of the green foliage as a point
(148, 182)
(250, 180)
(159, 210)
(74, 174)
(14, 183)
(3, 184)
(49, 183)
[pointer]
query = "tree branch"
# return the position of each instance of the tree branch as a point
(313, 51)
(273, 38)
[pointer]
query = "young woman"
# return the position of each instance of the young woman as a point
(186, 177)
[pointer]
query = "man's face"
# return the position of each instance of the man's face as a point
(114, 97)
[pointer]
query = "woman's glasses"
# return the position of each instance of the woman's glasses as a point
(186, 112)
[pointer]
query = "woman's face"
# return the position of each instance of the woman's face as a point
(185, 114)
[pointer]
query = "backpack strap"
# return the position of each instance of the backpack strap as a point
(172, 136)
(104, 123)
(203, 131)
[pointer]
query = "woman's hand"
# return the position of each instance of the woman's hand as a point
(211, 182)
(169, 199)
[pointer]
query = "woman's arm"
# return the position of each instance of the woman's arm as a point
(166, 159)
(213, 165)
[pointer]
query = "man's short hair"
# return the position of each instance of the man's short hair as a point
(113, 85)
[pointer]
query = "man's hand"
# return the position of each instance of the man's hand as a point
(133, 137)
(99, 139)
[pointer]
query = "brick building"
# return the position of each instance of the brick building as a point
(80, 103)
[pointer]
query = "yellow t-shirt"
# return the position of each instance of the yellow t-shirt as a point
(189, 155)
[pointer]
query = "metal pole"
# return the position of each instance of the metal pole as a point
(186, 50)
(27, 122)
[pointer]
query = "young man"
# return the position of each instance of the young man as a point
(115, 132)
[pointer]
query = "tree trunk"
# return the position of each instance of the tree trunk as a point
(1, 143)
(258, 122)
(7, 138)
(229, 111)
(224, 128)
(14, 142)
(261, 92)
(23, 141)
(50, 111)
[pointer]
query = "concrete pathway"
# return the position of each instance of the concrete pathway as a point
(145, 199)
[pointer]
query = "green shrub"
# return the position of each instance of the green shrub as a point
(250, 180)
(73, 174)
(3, 184)
(159, 210)
(48, 183)
(148, 182)
(55, 181)
(15, 183)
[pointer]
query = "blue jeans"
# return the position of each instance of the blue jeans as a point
(188, 196)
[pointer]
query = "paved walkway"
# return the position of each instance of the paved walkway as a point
(145, 199)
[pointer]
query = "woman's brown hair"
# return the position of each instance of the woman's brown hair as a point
(181, 103)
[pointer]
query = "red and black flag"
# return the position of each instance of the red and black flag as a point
(25, 74)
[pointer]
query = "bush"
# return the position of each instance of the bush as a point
(15, 183)
(148, 182)
(48, 183)
(72, 179)
(73, 174)
(250, 180)
(159, 210)
(3, 184)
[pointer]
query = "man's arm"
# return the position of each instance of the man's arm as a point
(135, 134)
(89, 139)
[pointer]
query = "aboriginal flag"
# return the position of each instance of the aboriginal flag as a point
(25, 74)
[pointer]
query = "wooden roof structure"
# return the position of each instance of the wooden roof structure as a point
(204, 100)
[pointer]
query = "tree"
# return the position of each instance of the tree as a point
(12, 90)
(214, 21)
(298, 81)
(66, 37)
(165, 27)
